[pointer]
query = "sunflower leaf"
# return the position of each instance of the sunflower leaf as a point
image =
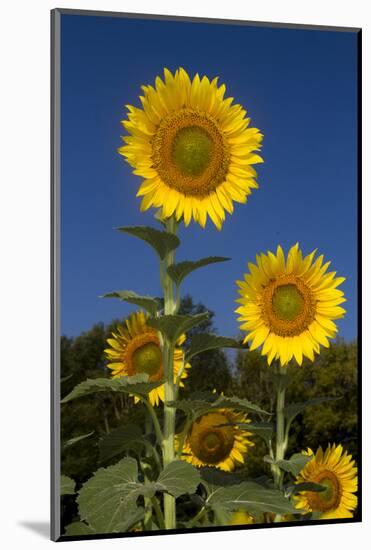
(121, 439)
(108, 500)
(243, 405)
(135, 385)
(179, 478)
(173, 326)
(67, 486)
(203, 402)
(305, 486)
(293, 466)
(161, 241)
(152, 305)
(264, 430)
(252, 497)
(77, 529)
(179, 271)
(203, 342)
(292, 410)
(75, 440)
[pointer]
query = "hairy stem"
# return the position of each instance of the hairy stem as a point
(281, 442)
(170, 308)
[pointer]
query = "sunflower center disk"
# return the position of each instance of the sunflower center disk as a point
(147, 359)
(288, 306)
(287, 302)
(190, 153)
(328, 499)
(192, 150)
(209, 443)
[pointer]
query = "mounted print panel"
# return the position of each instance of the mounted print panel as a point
(206, 206)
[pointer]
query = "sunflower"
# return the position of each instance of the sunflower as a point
(209, 442)
(135, 348)
(192, 147)
(335, 470)
(289, 306)
(241, 518)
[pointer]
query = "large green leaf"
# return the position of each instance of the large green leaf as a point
(292, 410)
(252, 497)
(293, 466)
(67, 485)
(203, 402)
(152, 305)
(75, 440)
(179, 478)
(161, 241)
(173, 326)
(180, 270)
(264, 430)
(203, 342)
(108, 500)
(305, 486)
(121, 439)
(78, 529)
(135, 385)
(243, 405)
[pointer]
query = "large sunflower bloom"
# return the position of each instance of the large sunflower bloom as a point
(289, 306)
(135, 348)
(211, 443)
(335, 470)
(193, 149)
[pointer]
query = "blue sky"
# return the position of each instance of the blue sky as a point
(299, 88)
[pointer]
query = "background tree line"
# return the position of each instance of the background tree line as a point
(243, 373)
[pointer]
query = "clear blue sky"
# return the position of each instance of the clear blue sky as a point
(299, 88)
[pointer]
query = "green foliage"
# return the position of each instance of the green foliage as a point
(293, 466)
(333, 374)
(173, 326)
(112, 426)
(67, 486)
(110, 500)
(180, 270)
(161, 241)
(124, 438)
(152, 305)
(250, 496)
(202, 342)
(133, 385)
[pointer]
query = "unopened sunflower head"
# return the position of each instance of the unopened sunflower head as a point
(135, 348)
(193, 148)
(336, 471)
(215, 439)
(289, 305)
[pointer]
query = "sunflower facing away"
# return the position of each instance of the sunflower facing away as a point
(289, 306)
(135, 348)
(192, 147)
(335, 470)
(210, 443)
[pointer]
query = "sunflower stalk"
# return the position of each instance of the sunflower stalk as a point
(171, 305)
(281, 439)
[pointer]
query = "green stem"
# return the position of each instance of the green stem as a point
(147, 501)
(281, 442)
(155, 421)
(197, 517)
(158, 512)
(170, 308)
